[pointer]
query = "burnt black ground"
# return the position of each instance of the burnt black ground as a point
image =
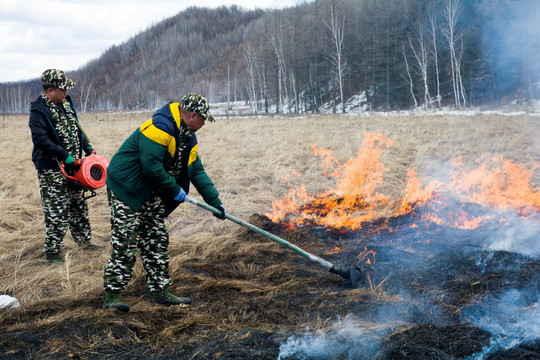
(436, 271)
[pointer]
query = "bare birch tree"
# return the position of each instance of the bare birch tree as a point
(435, 52)
(263, 78)
(249, 61)
(85, 91)
(292, 80)
(409, 80)
(420, 52)
(453, 36)
(229, 107)
(337, 29)
(276, 40)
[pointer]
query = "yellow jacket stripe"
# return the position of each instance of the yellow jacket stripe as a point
(160, 136)
(193, 155)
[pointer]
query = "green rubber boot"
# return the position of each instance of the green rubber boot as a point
(90, 246)
(113, 301)
(164, 297)
(53, 258)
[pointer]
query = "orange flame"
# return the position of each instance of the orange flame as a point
(495, 183)
(415, 194)
(368, 256)
(498, 183)
(351, 202)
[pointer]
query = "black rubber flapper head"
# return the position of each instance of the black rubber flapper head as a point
(354, 277)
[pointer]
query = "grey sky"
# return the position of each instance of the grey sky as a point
(66, 34)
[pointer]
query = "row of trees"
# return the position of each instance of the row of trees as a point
(318, 55)
(397, 54)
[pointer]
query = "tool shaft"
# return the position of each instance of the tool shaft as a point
(265, 233)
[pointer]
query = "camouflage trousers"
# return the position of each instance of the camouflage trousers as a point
(142, 230)
(64, 208)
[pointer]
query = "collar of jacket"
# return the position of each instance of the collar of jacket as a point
(175, 112)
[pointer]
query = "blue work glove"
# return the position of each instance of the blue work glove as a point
(223, 212)
(181, 197)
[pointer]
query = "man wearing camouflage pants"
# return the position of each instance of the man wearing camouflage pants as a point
(148, 177)
(58, 136)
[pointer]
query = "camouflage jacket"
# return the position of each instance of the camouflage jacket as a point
(142, 165)
(47, 149)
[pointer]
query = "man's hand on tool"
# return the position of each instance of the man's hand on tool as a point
(69, 164)
(181, 197)
(223, 212)
(91, 151)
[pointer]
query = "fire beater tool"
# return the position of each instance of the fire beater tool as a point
(353, 275)
(90, 173)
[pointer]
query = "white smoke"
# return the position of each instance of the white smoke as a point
(511, 320)
(345, 340)
(521, 238)
(512, 38)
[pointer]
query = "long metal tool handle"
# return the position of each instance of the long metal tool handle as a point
(260, 231)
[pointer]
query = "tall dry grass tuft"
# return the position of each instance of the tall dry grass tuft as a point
(237, 280)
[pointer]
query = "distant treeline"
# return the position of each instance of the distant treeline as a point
(390, 54)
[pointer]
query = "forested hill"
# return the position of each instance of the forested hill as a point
(383, 54)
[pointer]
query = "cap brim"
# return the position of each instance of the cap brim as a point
(70, 84)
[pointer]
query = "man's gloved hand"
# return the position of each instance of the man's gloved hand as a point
(69, 164)
(223, 212)
(91, 151)
(181, 197)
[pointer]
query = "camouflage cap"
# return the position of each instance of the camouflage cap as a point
(54, 78)
(196, 103)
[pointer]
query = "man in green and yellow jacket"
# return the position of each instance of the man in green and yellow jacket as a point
(148, 177)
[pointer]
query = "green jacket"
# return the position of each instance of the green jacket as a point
(141, 165)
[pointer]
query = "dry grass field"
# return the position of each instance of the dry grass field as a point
(249, 294)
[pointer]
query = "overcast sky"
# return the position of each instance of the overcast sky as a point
(65, 34)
